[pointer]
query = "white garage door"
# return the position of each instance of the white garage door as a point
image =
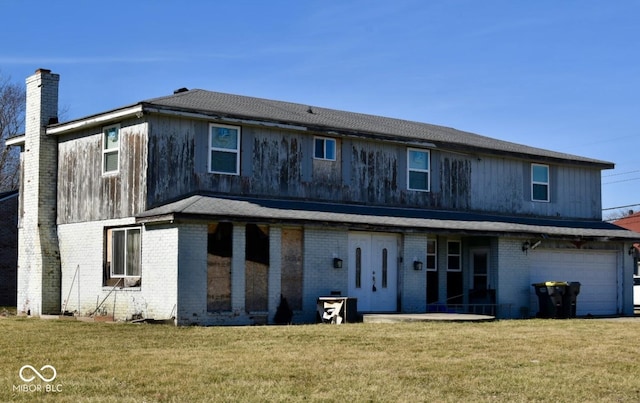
(596, 272)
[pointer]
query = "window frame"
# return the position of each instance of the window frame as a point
(324, 148)
(474, 270)
(111, 151)
(110, 257)
(453, 255)
(424, 171)
(433, 254)
(235, 151)
(535, 183)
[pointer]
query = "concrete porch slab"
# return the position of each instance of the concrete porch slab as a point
(425, 317)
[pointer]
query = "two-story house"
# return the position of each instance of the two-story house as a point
(208, 207)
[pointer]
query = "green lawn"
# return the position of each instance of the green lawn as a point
(516, 360)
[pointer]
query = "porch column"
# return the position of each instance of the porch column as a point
(238, 268)
(275, 270)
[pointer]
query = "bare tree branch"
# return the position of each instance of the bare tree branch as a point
(12, 107)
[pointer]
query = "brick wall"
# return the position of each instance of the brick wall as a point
(39, 274)
(82, 248)
(191, 273)
(513, 285)
(414, 282)
(319, 277)
(8, 248)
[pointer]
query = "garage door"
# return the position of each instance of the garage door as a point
(596, 272)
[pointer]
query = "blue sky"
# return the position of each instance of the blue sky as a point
(560, 75)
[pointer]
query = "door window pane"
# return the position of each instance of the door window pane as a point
(385, 267)
(358, 268)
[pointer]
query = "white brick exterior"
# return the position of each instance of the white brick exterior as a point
(82, 249)
(319, 277)
(192, 273)
(414, 282)
(38, 255)
(513, 285)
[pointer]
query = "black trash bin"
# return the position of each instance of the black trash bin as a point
(550, 298)
(569, 299)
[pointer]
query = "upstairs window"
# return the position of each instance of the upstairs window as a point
(418, 170)
(539, 182)
(324, 149)
(122, 257)
(110, 149)
(224, 149)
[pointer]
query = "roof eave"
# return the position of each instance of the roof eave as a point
(455, 147)
(95, 120)
(16, 141)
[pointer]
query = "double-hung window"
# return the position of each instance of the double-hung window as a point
(539, 182)
(123, 256)
(110, 149)
(324, 149)
(418, 171)
(224, 149)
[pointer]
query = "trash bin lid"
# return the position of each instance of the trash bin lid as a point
(551, 284)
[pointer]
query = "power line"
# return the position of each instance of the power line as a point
(621, 173)
(615, 208)
(622, 180)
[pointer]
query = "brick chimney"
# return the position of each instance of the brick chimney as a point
(39, 273)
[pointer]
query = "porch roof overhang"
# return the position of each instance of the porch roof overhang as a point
(224, 208)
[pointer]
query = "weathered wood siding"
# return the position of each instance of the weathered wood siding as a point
(279, 163)
(504, 186)
(84, 193)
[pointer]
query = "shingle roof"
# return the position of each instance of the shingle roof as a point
(328, 120)
(216, 207)
(631, 222)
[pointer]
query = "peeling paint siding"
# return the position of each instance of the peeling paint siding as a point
(374, 173)
(277, 162)
(172, 159)
(85, 194)
(455, 183)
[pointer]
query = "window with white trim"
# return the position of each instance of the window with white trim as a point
(122, 257)
(454, 261)
(110, 149)
(224, 149)
(418, 172)
(324, 148)
(540, 182)
(431, 255)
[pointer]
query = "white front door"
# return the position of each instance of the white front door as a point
(373, 271)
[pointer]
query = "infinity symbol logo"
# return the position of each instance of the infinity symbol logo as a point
(37, 373)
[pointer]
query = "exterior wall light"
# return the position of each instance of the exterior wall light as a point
(337, 263)
(417, 265)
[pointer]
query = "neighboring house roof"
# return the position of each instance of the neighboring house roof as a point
(204, 104)
(630, 222)
(205, 206)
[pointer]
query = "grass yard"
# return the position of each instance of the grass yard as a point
(515, 360)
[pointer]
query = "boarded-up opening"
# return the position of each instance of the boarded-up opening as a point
(291, 280)
(256, 268)
(219, 252)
